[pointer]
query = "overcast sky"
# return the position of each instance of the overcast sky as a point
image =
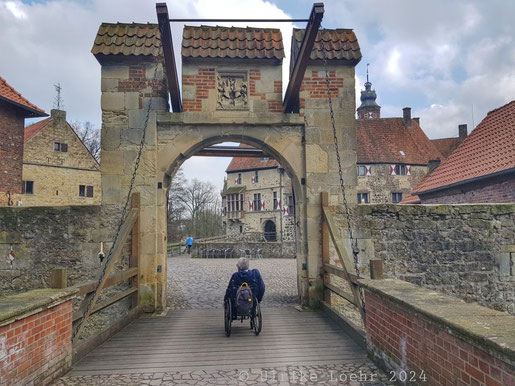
(451, 61)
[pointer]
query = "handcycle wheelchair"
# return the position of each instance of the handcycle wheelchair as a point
(230, 315)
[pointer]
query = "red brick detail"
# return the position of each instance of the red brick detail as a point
(409, 340)
(138, 82)
(255, 74)
(278, 86)
(203, 81)
(275, 106)
(11, 148)
(38, 348)
(316, 85)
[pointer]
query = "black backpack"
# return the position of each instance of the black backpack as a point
(244, 300)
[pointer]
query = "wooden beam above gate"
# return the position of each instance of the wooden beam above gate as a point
(291, 98)
(170, 65)
(231, 151)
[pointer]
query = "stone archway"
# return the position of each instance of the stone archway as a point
(280, 141)
(135, 99)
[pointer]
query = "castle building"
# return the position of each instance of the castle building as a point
(58, 169)
(393, 154)
(258, 198)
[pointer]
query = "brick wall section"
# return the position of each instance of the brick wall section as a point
(410, 342)
(37, 348)
(203, 82)
(496, 192)
(316, 85)
(140, 81)
(11, 149)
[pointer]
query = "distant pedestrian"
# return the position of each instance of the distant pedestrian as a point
(189, 243)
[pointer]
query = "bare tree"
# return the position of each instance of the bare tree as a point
(194, 208)
(89, 135)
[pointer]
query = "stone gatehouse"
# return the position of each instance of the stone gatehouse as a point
(232, 91)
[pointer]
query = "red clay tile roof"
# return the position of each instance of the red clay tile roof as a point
(9, 94)
(232, 42)
(489, 149)
(410, 199)
(32, 130)
(338, 43)
(127, 39)
(446, 145)
(382, 140)
(250, 163)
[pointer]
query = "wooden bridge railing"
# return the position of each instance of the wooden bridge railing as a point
(92, 290)
(346, 271)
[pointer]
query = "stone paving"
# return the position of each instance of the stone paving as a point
(365, 374)
(201, 283)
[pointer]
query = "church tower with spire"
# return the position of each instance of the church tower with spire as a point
(369, 109)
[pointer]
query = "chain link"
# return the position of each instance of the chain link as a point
(353, 241)
(125, 207)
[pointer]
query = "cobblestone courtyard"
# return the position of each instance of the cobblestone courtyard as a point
(201, 283)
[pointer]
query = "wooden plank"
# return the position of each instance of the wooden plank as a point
(117, 250)
(291, 98)
(376, 269)
(338, 291)
(230, 151)
(324, 200)
(82, 349)
(114, 279)
(59, 278)
(181, 342)
(170, 67)
(135, 248)
(106, 303)
(344, 258)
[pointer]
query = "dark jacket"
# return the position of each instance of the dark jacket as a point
(252, 278)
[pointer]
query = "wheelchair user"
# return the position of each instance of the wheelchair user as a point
(245, 275)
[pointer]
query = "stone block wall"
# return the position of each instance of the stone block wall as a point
(40, 148)
(11, 151)
(461, 250)
(423, 338)
(56, 186)
(35, 336)
(381, 184)
(44, 238)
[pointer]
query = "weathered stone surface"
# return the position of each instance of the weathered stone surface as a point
(453, 249)
(18, 306)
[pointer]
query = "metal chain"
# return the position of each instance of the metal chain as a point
(354, 241)
(125, 207)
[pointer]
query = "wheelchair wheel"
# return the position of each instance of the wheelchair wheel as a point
(228, 318)
(257, 321)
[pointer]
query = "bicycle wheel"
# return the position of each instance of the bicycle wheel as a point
(258, 320)
(228, 318)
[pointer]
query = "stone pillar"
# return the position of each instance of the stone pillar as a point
(132, 88)
(321, 162)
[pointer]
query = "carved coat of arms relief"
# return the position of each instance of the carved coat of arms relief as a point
(232, 91)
